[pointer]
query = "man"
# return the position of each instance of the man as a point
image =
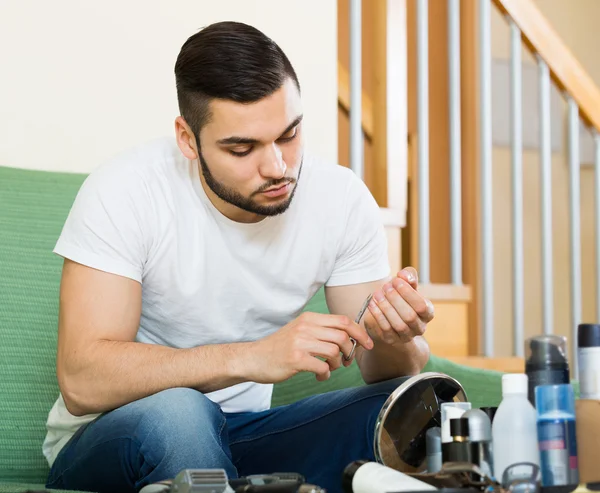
(188, 262)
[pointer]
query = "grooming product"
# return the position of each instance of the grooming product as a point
(514, 432)
(357, 320)
(480, 436)
(216, 481)
(556, 435)
(433, 448)
(400, 438)
(459, 449)
(193, 480)
(588, 357)
(451, 410)
(279, 488)
(587, 413)
(490, 411)
(287, 480)
(546, 362)
(372, 477)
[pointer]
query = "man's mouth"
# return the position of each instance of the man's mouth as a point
(278, 190)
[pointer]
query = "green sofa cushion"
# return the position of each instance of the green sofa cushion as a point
(33, 207)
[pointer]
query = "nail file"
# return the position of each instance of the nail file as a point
(357, 320)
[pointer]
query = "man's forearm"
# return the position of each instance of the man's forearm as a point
(113, 373)
(386, 361)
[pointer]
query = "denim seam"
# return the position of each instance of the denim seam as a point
(273, 432)
(76, 461)
(223, 423)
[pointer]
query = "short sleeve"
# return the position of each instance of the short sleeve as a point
(362, 254)
(106, 228)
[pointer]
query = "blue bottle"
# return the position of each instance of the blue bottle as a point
(556, 435)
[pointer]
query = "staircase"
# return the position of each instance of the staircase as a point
(443, 46)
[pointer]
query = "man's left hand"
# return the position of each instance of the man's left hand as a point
(398, 312)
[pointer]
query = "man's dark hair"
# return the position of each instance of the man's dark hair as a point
(227, 60)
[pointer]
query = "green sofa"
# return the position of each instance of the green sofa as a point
(33, 207)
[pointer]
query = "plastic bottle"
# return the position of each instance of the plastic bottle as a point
(514, 431)
(371, 477)
(588, 356)
(556, 435)
(458, 450)
(433, 449)
(451, 410)
(480, 436)
(546, 362)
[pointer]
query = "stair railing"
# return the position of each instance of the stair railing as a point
(555, 63)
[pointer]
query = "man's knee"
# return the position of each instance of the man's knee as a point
(178, 414)
(181, 428)
(385, 387)
(145, 441)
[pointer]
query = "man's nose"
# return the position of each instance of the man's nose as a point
(273, 165)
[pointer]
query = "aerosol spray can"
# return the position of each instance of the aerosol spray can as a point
(556, 435)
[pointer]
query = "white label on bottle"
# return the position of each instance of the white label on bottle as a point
(589, 372)
(373, 477)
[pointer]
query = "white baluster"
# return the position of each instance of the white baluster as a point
(516, 124)
(423, 137)
(356, 134)
(487, 254)
(455, 140)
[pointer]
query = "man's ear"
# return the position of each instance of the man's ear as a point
(185, 138)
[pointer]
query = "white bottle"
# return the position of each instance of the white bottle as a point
(514, 429)
(371, 477)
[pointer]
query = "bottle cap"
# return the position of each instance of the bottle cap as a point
(480, 426)
(451, 410)
(348, 474)
(514, 383)
(546, 352)
(459, 427)
(555, 398)
(588, 335)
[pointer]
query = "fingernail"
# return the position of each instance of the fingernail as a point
(379, 297)
(388, 288)
(398, 283)
(372, 305)
(370, 343)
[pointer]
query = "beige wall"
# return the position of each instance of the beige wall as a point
(83, 80)
(575, 21)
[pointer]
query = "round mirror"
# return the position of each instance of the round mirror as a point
(413, 408)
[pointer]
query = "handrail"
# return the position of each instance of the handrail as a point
(344, 100)
(541, 38)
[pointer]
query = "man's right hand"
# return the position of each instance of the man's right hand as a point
(295, 348)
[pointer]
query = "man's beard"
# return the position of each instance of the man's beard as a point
(233, 197)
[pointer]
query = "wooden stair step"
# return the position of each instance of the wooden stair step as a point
(448, 333)
(510, 364)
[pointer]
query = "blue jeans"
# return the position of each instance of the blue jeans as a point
(154, 438)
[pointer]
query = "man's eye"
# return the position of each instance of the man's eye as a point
(291, 135)
(240, 153)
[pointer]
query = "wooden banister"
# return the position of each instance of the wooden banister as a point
(566, 71)
(344, 100)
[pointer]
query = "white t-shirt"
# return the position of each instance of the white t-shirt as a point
(205, 278)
